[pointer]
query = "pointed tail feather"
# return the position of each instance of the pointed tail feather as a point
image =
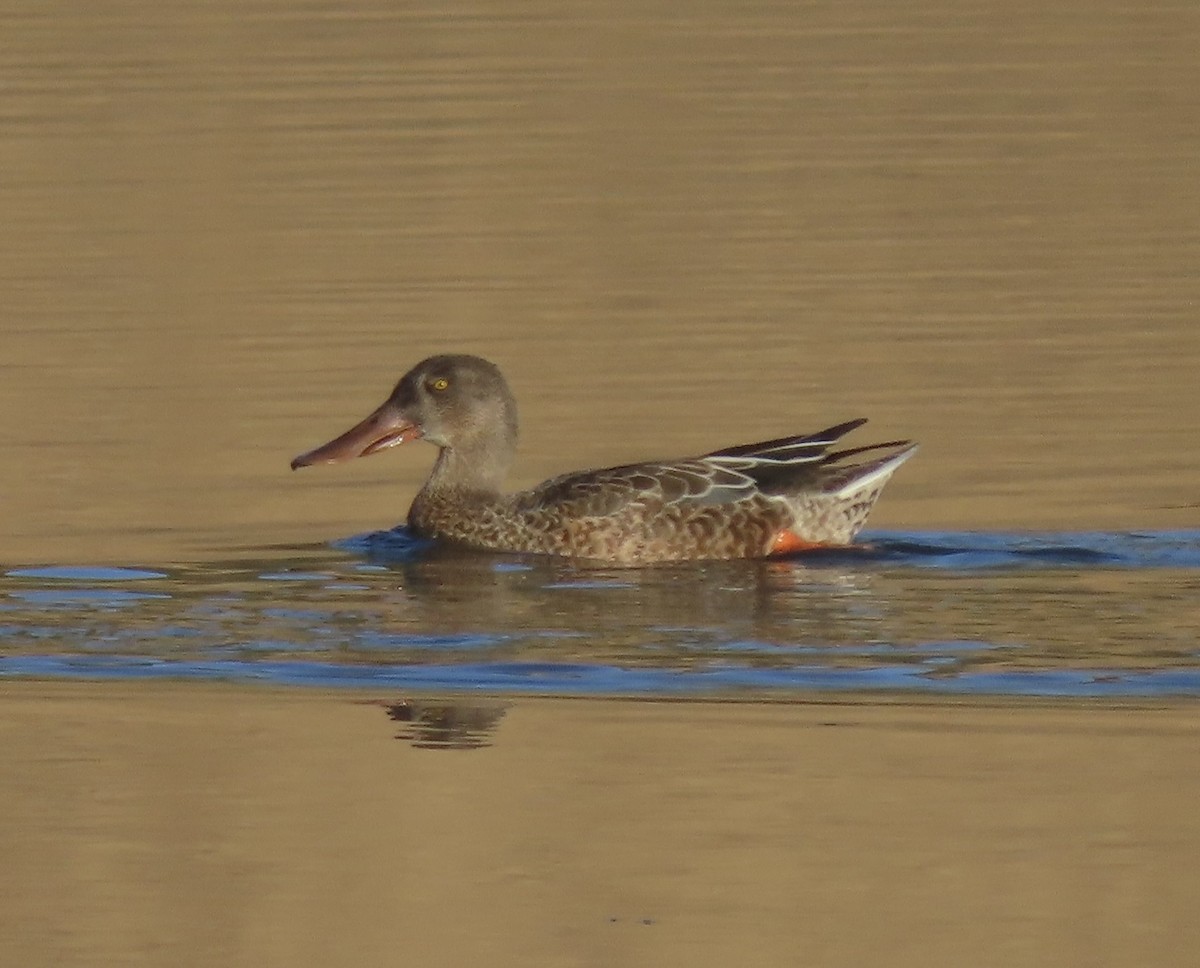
(857, 479)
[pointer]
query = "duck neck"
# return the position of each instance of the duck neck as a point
(478, 471)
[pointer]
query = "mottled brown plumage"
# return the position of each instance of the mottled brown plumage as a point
(749, 501)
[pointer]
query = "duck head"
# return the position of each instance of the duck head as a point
(460, 403)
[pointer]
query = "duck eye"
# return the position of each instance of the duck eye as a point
(439, 384)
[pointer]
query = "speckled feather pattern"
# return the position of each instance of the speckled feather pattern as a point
(697, 508)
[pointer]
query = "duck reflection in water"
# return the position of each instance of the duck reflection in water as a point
(430, 724)
(531, 608)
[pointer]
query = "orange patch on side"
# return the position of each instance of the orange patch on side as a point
(787, 542)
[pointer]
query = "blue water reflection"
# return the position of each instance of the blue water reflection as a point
(1078, 614)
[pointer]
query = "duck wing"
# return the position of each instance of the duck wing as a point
(727, 476)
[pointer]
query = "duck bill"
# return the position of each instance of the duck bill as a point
(385, 428)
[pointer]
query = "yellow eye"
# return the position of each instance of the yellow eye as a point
(439, 384)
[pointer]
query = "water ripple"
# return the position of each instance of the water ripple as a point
(588, 679)
(1068, 614)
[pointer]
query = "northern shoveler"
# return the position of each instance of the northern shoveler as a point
(750, 501)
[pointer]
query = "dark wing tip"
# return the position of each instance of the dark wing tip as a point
(815, 443)
(838, 430)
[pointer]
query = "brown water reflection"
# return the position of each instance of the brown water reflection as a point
(230, 226)
(186, 825)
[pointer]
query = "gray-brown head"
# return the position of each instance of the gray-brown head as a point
(460, 403)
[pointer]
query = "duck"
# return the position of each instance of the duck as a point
(768, 499)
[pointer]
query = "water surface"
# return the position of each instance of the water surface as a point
(151, 823)
(228, 228)
(1050, 614)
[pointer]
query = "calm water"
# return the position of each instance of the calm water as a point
(228, 229)
(1095, 614)
(229, 226)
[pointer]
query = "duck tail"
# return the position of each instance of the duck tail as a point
(849, 481)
